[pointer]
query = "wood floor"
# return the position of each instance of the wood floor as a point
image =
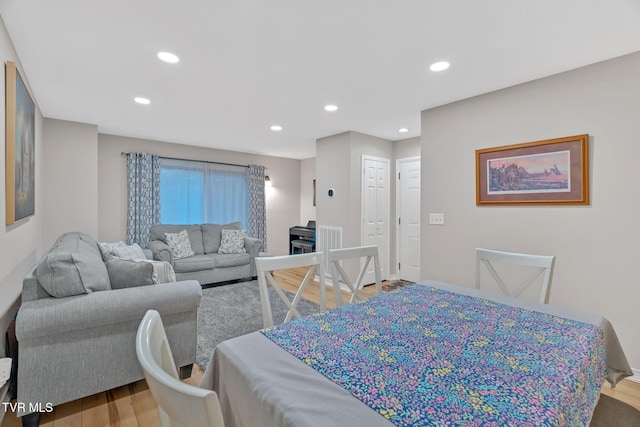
(133, 406)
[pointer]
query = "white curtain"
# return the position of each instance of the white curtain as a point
(193, 192)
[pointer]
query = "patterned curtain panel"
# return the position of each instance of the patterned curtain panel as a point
(257, 226)
(143, 188)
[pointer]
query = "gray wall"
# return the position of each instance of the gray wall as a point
(596, 246)
(404, 148)
(307, 175)
(70, 200)
(282, 199)
(339, 166)
(20, 243)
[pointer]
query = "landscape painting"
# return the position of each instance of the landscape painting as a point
(548, 172)
(553, 171)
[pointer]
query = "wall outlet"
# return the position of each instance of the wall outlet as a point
(436, 218)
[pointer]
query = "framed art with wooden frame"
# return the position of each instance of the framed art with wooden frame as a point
(19, 147)
(549, 172)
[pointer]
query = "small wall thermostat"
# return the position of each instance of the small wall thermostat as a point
(331, 192)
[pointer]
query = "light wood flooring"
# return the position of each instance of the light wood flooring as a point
(133, 406)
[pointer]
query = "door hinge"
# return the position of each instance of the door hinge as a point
(398, 175)
(398, 266)
(398, 221)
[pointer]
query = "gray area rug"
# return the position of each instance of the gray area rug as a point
(232, 310)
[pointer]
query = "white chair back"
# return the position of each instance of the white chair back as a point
(266, 265)
(336, 256)
(179, 404)
(541, 265)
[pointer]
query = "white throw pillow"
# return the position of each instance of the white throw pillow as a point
(179, 244)
(232, 242)
(131, 252)
(107, 248)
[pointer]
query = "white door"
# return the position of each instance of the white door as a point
(408, 212)
(375, 211)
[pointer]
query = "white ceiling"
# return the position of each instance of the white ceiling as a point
(248, 64)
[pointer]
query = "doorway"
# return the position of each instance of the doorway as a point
(376, 211)
(408, 214)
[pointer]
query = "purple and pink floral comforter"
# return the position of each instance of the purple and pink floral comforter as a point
(422, 356)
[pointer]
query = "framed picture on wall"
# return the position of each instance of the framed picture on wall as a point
(19, 147)
(549, 172)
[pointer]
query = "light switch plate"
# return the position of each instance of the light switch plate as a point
(436, 218)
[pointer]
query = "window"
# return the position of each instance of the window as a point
(194, 192)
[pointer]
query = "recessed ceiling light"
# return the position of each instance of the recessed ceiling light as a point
(168, 57)
(403, 130)
(439, 66)
(143, 101)
(276, 128)
(330, 108)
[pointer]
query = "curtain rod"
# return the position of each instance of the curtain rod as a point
(189, 160)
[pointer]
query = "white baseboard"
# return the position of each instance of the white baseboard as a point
(636, 376)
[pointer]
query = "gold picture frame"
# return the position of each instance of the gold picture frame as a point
(548, 172)
(19, 147)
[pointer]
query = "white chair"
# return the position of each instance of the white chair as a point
(179, 404)
(266, 265)
(540, 264)
(336, 256)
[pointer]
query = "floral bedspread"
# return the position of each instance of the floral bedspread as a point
(424, 356)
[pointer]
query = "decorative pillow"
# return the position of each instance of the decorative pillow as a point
(232, 242)
(133, 252)
(73, 266)
(107, 248)
(179, 244)
(125, 273)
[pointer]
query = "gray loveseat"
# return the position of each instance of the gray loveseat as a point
(76, 333)
(207, 265)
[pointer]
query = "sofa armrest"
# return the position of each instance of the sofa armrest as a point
(253, 247)
(161, 251)
(52, 316)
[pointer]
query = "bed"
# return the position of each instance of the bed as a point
(426, 354)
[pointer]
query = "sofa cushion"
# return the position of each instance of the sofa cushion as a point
(179, 244)
(194, 263)
(231, 260)
(212, 235)
(232, 242)
(125, 273)
(157, 232)
(73, 266)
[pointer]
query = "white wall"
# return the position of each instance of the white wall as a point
(307, 175)
(20, 243)
(596, 246)
(282, 199)
(70, 200)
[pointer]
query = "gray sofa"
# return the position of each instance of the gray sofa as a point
(71, 346)
(206, 265)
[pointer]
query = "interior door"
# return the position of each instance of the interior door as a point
(408, 212)
(375, 211)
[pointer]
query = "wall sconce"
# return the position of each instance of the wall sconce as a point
(267, 181)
